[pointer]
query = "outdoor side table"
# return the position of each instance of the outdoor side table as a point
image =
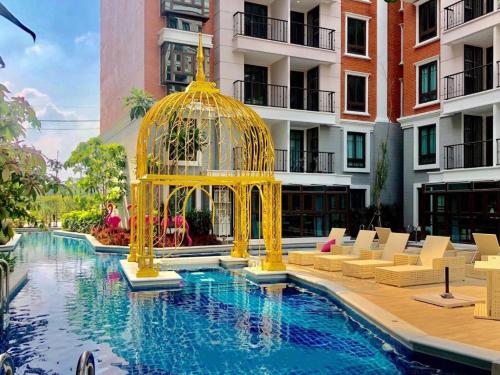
(490, 309)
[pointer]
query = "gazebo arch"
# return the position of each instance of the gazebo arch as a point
(191, 140)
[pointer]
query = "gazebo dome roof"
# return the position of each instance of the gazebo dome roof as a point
(200, 131)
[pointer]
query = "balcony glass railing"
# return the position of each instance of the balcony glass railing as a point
(466, 10)
(265, 94)
(260, 27)
(469, 155)
(312, 100)
(468, 82)
(312, 36)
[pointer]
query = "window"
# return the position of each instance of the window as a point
(427, 82)
(355, 150)
(356, 36)
(184, 23)
(356, 93)
(427, 21)
(197, 9)
(427, 144)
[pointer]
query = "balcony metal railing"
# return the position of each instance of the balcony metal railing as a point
(312, 36)
(469, 155)
(311, 162)
(280, 159)
(464, 11)
(468, 82)
(312, 100)
(260, 27)
(265, 94)
(498, 73)
(498, 151)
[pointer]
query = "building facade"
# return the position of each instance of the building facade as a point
(333, 80)
(451, 117)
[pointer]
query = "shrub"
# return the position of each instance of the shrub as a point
(200, 222)
(82, 221)
(6, 231)
(109, 236)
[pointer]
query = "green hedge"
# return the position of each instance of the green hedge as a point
(200, 221)
(82, 221)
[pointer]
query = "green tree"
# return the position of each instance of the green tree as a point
(138, 103)
(101, 168)
(380, 180)
(24, 172)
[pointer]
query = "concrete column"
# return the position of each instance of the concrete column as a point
(496, 133)
(496, 82)
(382, 61)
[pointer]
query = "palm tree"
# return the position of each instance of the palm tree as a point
(7, 14)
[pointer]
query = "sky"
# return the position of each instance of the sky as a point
(59, 73)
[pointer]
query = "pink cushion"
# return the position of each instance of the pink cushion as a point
(326, 247)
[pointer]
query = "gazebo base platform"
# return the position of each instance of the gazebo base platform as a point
(258, 275)
(164, 280)
(232, 262)
(458, 300)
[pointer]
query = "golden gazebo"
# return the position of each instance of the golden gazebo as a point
(194, 139)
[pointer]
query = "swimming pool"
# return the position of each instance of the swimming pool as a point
(219, 322)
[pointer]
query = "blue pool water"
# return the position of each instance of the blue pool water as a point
(219, 322)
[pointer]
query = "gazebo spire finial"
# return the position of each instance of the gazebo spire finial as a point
(200, 74)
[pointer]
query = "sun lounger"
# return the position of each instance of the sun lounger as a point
(487, 245)
(382, 235)
(306, 258)
(429, 268)
(365, 269)
(341, 253)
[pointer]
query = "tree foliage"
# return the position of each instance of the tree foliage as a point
(138, 103)
(380, 179)
(25, 173)
(101, 168)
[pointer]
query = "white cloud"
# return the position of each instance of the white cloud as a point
(44, 106)
(88, 39)
(55, 144)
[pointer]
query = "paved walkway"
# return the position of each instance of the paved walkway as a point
(456, 324)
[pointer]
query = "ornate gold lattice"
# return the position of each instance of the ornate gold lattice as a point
(191, 142)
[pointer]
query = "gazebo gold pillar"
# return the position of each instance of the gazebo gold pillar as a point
(272, 227)
(241, 222)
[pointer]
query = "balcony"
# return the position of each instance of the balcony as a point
(312, 36)
(280, 159)
(300, 162)
(469, 155)
(311, 162)
(312, 100)
(464, 11)
(268, 38)
(468, 82)
(260, 27)
(268, 95)
(262, 94)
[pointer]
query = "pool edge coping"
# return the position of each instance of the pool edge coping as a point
(405, 333)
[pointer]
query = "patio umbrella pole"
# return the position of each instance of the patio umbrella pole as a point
(447, 293)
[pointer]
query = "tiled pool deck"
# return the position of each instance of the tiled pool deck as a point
(456, 324)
